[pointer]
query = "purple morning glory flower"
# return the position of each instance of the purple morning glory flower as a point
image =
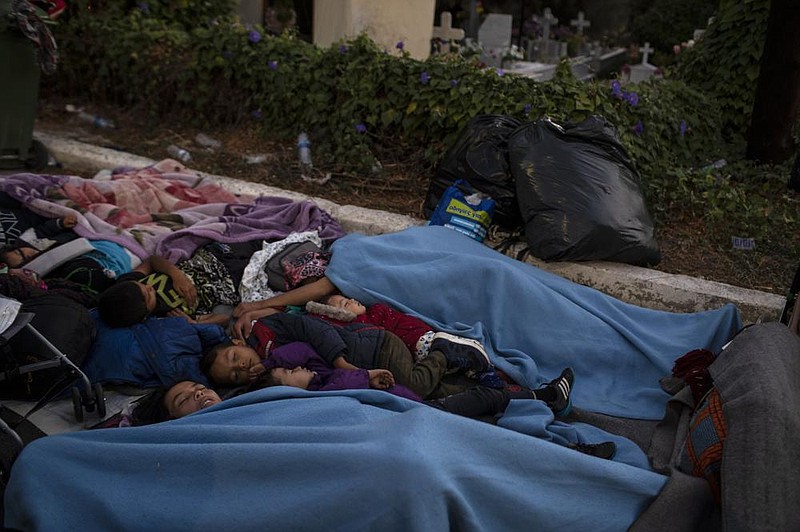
(273, 65)
(616, 88)
(527, 108)
(361, 128)
(632, 98)
(343, 49)
(682, 128)
(399, 45)
(253, 36)
(143, 6)
(500, 72)
(453, 82)
(424, 78)
(638, 128)
(256, 114)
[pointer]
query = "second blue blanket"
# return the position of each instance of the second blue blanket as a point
(532, 322)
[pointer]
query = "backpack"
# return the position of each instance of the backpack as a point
(64, 323)
(277, 266)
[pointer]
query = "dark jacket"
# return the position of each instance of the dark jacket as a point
(359, 343)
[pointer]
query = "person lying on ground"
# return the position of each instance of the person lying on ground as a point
(201, 289)
(415, 333)
(299, 355)
(95, 271)
(162, 404)
(478, 402)
(350, 346)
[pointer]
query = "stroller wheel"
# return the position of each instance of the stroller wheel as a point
(100, 399)
(77, 404)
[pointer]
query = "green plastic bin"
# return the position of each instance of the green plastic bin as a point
(19, 95)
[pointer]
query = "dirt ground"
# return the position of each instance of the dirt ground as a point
(401, 187)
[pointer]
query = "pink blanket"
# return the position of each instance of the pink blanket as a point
(166, 210)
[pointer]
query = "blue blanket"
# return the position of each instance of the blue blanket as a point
(287, 459)
(533, 323)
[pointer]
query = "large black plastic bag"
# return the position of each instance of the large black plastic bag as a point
(480, 156)
(579, 194)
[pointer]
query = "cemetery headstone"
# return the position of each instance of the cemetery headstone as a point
(494, 36)
(580, 23)
(446, 33)
(548, 49)
(644, 70)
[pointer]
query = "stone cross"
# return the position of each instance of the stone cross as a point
(446, 31)
(580, 23)
(645, 52)
(548, 20)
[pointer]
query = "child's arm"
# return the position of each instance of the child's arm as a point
(298, 296)
(342, 363)
(217, 319)
(182, 284)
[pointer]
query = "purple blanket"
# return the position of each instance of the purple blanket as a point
(158, 210)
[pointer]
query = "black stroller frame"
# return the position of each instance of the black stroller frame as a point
(85, 395)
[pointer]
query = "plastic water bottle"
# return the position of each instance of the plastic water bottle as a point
(179, 153)
(96, 120)
(304, 151)
(207, 142)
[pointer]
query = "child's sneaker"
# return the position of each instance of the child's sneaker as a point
(605, 450)
(562, 404)
(461, 353)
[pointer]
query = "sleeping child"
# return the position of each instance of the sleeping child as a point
(192, 289)
(298, 365)
(349, 346)
(415, 333)
(94, 270)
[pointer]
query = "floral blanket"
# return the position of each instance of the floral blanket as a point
(165, 209)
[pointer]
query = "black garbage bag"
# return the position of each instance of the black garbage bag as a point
(579, 194)
(480, 157)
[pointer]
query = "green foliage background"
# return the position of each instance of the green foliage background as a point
(191, 61)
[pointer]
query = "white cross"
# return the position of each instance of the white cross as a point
(580, 23)
(549, 20)
(646, 52)
(446, 31)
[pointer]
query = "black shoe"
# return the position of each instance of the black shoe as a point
(461, 353)
(605, 450)
(562, 404)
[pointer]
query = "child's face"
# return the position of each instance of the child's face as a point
(233, 363)
(351, 305)
(187, 397)
(17, 257)
(297, 377)
(149, 295)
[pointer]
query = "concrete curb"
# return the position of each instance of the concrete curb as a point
(640, 286)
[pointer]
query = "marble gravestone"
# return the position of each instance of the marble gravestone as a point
(494, 36)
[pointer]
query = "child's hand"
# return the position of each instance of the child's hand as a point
(380, 379)
(244, 308)
(256, 370)
(69, 221)
(184, 286)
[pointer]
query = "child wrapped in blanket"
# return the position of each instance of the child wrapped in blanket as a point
(415, 333)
